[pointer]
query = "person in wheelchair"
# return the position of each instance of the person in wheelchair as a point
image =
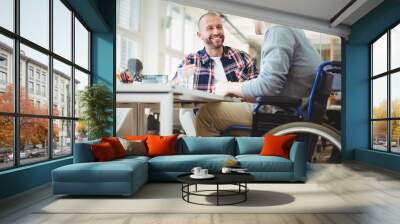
(288, 62)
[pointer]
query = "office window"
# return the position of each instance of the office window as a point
(7, 14)
(129, 14)
(62, 137)
(62, 29)
(33, 140)
(6, 142)
(385, 97)
(35, 21)
(40, 63)
(44, 132)
(395, 47)
(129, 32)
(81, 81)
(6, 74)
(63, 73)
(81, 45)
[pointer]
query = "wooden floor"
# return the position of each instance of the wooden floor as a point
(378, 189)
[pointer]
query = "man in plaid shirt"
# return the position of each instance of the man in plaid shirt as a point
(216, 63)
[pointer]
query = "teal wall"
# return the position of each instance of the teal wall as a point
(24, 178)
(356, 85)
(99, 16)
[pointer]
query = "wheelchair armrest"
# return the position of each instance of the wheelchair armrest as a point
(282, 101)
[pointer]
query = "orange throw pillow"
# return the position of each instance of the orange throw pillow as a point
(103, 152)
(136, 137)
(116, 145)
(161, 145)
(277, 145)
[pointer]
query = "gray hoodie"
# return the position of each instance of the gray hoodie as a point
(288, 64)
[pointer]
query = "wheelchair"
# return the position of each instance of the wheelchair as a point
(298, 117)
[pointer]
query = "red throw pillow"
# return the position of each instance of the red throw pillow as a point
(116, 145)
(103, 151)
(161, 145)
(136, 137)
(277, 145)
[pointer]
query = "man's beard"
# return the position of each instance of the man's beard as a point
(215, 44)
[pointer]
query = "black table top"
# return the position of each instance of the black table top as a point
(220, 178)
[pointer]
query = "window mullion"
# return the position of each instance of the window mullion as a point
(389, 104)
(16, 84)
(73, 81)
(50, 81)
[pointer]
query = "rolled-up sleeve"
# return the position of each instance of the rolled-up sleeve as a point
(276, 56)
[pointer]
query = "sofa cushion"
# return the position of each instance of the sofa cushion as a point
(206, 145)
(161, 145)
(103, 152)
(116, 145)
(257, 163)
(185, 163)
(136, 137)
(277, 145)
(249, 145)
(134, 147)
(112, 171)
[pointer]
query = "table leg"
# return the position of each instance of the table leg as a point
(166, 114)
(245, 193)
(217, 194)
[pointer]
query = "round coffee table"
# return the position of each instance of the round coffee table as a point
(238, 179)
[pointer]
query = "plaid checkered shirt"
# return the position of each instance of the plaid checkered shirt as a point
(237, 64)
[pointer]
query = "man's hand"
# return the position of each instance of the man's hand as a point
(229, 88)
(222, 89)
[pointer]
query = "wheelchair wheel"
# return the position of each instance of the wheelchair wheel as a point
(309, 128)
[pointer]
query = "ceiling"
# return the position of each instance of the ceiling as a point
(321, 9)
(327, 16)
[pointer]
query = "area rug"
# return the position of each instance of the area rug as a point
(166, 198)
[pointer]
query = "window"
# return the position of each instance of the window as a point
(6, 74)
(62, 74)
(45, 131)
(44, 91)
(7, 14)
(37, 75)
(30, 72)
(3, 78)
(81, 45)
(129, 32)
(62, 29)
(129, 14)
(385, 97)
(38, 89)
(30, 87)
(35, 22)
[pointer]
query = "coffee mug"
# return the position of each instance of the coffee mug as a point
(226, 170)
(196, 171)
(203, 172)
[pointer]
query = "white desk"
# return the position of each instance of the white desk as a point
(166, 95)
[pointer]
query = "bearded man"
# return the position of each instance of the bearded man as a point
(216, 63)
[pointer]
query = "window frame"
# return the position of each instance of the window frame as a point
(388, 74)
(15, 68)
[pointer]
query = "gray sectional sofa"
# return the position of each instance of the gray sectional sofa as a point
(125, 176)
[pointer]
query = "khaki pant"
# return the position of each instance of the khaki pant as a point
(213, 118)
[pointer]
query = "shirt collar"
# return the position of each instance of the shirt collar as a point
(205, 57)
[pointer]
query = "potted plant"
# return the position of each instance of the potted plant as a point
(96, 103)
